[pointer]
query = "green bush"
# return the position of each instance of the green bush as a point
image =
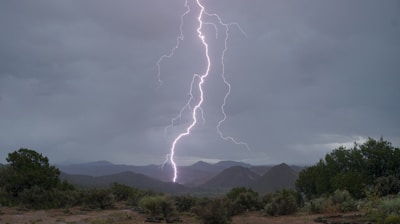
(390, 206)
(242, 199)
(283, 202)
(318, 205)
(392, 219)
(158, 205)
(98, 199)
(344, 201)
(387, 185)
(122, 192)
(339, 201)
(213, 211)
(184, 203)
(38, 198)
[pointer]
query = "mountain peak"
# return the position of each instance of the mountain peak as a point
(99, 163)
(278, 177)
(232, 177)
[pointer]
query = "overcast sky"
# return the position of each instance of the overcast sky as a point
(78, 79)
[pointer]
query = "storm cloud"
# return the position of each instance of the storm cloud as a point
(78, 79)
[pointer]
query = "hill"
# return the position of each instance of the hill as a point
(278, 177)
(236, 176)
(193, 175)
(128, 178)
(102, 168)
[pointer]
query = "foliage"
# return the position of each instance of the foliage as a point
(387, 185)
(27, 168)
(343, 201)
(318, 205)
(386, 211)
(353, 169)
(282, 202)
(158, 205)
(212, 211)
(339, 201)
(97, 198)
(392, 219)
(122, 192)
(38, 198)
(184, 203)
(390, 206)
(242, 199)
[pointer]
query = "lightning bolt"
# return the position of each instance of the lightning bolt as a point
(199, 80)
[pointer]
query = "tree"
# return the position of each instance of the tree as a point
(351, 169)
(27, 169)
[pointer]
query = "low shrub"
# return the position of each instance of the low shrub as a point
(344, 201)
(283, 202)
(390, 206)
(97, 199)
(318, 205)
(392, 219)
(340, 201)
(213, 211)
(158, 205)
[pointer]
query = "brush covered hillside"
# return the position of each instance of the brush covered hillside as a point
(199, 177)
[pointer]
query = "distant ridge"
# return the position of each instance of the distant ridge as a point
(128, 178)
(212, 178)
(277, 178)
(236, 176)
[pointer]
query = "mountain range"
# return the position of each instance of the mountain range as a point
(199, 177)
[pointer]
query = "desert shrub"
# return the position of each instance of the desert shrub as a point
(344, 201)
(318, 205)
(184, 203)
(390, 206)
(392, 219)
(126, 193)
(242, 199)
(98, 199)
(339, 201)
(212, 211)
(39, 198)
(158, 205)
(282, 202)
(387, 211)
(387, 185)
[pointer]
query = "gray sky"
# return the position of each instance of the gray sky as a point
(78, 79)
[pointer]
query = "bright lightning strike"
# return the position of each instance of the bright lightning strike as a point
(199, 80)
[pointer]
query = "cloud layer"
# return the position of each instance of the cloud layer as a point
(78, 79)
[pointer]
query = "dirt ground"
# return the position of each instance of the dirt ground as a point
(126, 216)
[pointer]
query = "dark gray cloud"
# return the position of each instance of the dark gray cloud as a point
(78, 79)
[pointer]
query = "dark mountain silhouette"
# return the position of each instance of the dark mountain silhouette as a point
(226, 164)
(278, 177)
(193, 175)
(236, 176)
(102, 168)
(128, 178)
(201, 166)
(260, 170)
(201, 175)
